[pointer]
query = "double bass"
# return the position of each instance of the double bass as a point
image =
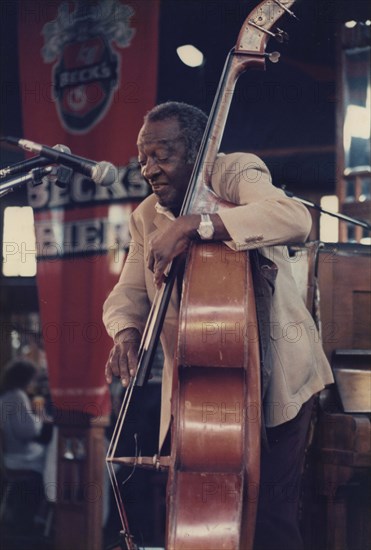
(214, 464)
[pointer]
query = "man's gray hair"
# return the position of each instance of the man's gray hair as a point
(192, 122)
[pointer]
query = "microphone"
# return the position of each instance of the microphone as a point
(102, 173)
(29, 164)
(23, 166)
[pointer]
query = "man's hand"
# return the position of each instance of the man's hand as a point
(123, 357)
(165, 245)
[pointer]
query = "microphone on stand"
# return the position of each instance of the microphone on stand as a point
(102, 173)
(23, 166)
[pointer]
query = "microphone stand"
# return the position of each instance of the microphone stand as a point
(34, 177)
(315, 206)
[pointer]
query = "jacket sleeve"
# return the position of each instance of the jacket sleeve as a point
(127, 306)
(265, 216)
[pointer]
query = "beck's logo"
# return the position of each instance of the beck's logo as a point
(87, 70)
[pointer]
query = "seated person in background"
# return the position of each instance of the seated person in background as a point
(23, 434)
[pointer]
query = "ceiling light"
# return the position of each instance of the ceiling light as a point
(190, 55)
(350, 24)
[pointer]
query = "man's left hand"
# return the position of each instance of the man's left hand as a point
(165, 245)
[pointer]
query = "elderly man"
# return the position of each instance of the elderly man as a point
(265, 219)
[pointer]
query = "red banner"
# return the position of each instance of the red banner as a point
(88, 75)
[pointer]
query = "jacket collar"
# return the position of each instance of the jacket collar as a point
(163, 216)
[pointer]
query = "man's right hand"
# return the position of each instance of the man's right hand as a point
(123, 357)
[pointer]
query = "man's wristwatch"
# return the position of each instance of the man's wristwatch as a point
(206, 228)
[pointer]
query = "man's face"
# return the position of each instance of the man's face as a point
(162, 156)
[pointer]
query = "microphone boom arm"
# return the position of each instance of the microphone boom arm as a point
(338, 215)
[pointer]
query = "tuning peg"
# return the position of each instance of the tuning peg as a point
(281, 36)
(286, 9)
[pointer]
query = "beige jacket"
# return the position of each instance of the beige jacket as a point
(264, 219)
